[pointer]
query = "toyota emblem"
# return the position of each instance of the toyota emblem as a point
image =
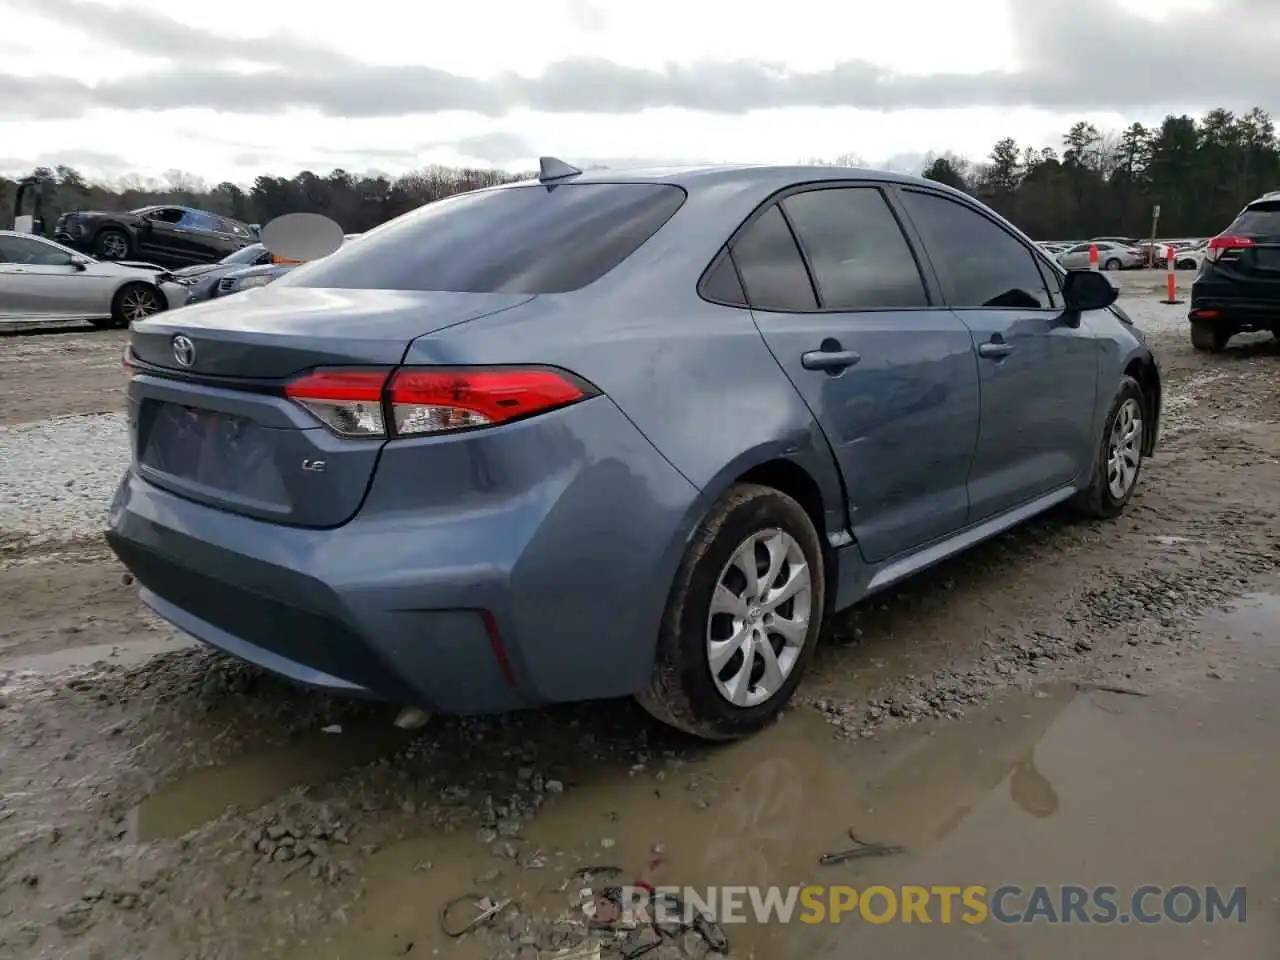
(184, 351)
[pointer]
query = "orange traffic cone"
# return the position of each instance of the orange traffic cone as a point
(1171, 279)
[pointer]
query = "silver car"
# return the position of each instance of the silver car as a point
(1111, 256)
(44, 281)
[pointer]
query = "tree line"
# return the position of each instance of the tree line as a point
(1200, 173)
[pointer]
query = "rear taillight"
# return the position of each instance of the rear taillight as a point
(424, 401)
(1220, 245)
(348, 402)
(434, 401)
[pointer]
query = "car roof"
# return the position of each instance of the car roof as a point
(773, 176)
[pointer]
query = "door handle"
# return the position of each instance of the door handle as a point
(995, 350)
(828, 359)
(19, 270)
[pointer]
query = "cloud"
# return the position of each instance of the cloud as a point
(587, 16)
(1080, 55)
(496, 147)
(143, 32)
(94, 162)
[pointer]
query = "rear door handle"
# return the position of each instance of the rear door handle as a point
(995, 351)
(833, 361)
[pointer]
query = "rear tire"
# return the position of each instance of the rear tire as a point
(1209, 337)
(113, 244)
(764, 528)
(1112, 264)
(1118, 461)
(135, 301)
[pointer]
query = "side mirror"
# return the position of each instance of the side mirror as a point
(81, 263)
(1088, 290)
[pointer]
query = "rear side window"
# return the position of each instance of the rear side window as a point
(979, 263)
(722, 284)
(523, 240)
(1257, 220)
(770, 265)
(859, 256)
(198, 220)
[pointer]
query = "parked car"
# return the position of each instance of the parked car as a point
(605, 434)
(42, 280)
(1111, 256)
(257, 275)
(1238, 286)
(202, 279)
(171, 236)
(1191, 256)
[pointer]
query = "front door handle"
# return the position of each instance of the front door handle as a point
(830, 358)
(995, 350)
(19, 270)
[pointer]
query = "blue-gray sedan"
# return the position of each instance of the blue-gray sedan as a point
(606, 434)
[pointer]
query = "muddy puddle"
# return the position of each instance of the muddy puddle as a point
(760, 813)
(251, 780)
(71, 659)
(1167, 783)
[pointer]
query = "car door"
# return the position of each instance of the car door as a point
(39, 280)
(888, 373)
(160, 238)
(1038, 368)
(1076, 258)
(200, 239)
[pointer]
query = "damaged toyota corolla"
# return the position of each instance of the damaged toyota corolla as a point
(606, 434)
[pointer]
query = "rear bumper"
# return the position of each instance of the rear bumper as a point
(550, 592)
(1219, 304)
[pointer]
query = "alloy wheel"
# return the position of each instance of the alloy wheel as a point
(114, 247)
(759, 617)
(138, 304)
(1124, 449)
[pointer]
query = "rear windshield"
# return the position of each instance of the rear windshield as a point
(1259, 219)
(522, 240)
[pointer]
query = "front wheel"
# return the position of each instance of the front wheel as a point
(742, 619)
(135, 301)
(1112, 264)
(1119, 455)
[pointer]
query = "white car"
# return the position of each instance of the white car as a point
(1190, 258)
(42, 281)
(1111, 256)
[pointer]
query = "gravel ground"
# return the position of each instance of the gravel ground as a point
(57, 475)
(161, 801)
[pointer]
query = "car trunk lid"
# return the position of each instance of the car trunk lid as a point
(1248, 251)
(218, 428)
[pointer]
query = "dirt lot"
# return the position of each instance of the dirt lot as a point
(161, 801)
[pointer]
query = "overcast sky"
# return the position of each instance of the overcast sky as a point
(232, 89)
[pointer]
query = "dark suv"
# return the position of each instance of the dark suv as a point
(167, 235)
(1238, 287)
